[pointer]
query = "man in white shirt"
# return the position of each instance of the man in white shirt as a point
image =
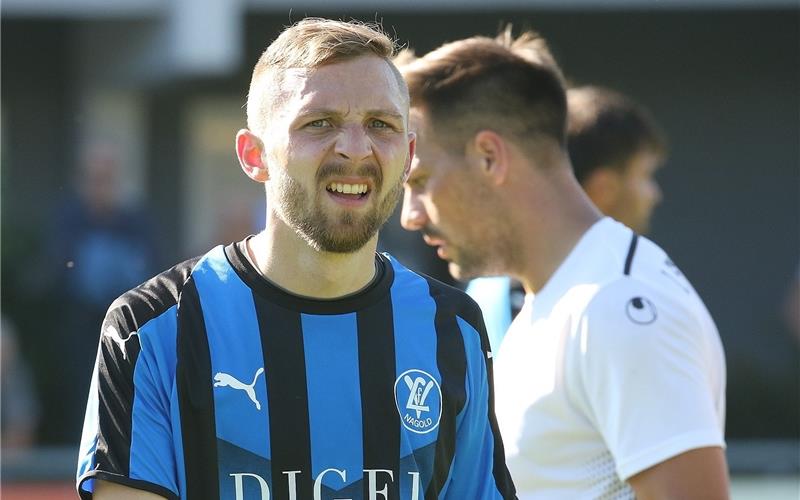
(611, 381)
(615, 147)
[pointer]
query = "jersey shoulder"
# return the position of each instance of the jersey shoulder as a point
(151, 299)
(630, 315)
(650, 265)
(449, 299)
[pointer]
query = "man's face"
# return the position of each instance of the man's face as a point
(336, 148)
(638, 192)
(447, 200)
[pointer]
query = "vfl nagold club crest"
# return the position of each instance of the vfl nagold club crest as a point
(419, 401)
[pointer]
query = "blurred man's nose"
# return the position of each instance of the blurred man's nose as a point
(353, 144)
(657, 194)
(412, 215)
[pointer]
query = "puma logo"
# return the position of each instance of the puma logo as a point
(224, 380)
(114, 335)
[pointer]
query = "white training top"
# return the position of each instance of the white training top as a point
(615, 366)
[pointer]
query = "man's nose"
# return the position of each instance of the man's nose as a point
(412, 216)
(658, 195)
(353, 144)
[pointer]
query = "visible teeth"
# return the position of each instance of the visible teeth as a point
(347, 188)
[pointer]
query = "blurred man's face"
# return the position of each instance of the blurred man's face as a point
(628, 194)
(449, 203)
(99, 181)
(336, 150)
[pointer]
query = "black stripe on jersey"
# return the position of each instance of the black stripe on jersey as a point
(117, 362)
(285, 371)
(451, 360)
(196, 398)
(115, 398)
(631, 251)
(380, 420)
(471, 313)
(464, 307)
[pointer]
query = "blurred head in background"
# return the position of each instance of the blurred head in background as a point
(99, 181)
(615, 147)
(491, 152)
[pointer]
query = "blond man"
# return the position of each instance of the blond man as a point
(298, 363)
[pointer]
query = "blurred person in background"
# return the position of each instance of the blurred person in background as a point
(239, 218)
(93, 230)
(615, 147)
(298, 362)
(611, 381)
(19, 402)
(791, 306)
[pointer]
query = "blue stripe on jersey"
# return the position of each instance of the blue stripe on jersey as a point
(415, 346)
(151, 455)
(91, 422)
(475, 438)
(236, 359)
(473, 351)
(334, 396)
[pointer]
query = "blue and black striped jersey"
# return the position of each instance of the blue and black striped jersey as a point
(211, 382)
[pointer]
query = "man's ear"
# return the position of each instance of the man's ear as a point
(249, 150)
(603, 185)
(492, 153)
(412, 149)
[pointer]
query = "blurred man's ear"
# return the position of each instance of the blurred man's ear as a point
(492, 152)
(249, 150)
(603, 185)
(412, 149)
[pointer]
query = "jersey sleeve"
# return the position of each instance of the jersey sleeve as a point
(479, 468)
(648, 374)
(127, 436)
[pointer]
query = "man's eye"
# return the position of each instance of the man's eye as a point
(379, 124)
(416, 183)
(319, 123)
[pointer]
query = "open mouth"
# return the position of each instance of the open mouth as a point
(348, 191)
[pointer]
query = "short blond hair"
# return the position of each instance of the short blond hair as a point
(309, 44)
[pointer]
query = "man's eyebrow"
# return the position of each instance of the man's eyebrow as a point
(334, 112)
(318, 111)
(386, 113)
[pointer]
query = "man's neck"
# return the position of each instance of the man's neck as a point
(288, 261)
(563, 214)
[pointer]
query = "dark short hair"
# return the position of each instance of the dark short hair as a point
(480, 83)
(605, 129)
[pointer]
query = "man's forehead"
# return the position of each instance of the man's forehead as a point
(368, 76)
(430, 155)
(428, 140)
(352, 86)
(647, 161)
